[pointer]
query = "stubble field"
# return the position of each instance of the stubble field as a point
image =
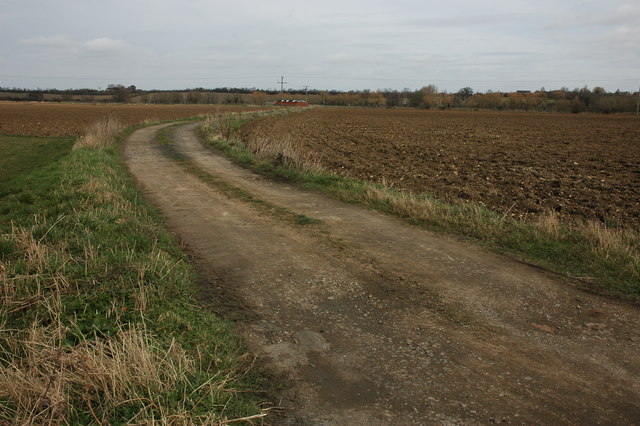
(48, 119)
(518, 164)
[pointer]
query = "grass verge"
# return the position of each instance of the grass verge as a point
(99, 323)
(598, 259)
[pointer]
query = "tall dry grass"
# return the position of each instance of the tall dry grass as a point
(284, 150)
(549, 224)
(50, 380)
(220, 125)
(100, 134)
(281, 149)
(608, 240)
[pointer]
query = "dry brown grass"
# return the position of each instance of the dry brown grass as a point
(150, 121)
(100, 134)
(549, 224)
(217, 125)
(284, 150)
(37, 285)
(280, 149)
(614, 243)
(401, 203)
(50, 379)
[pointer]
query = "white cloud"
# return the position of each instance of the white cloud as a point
(58, 41)
(62, 42)
(339, 57)
(105, 44)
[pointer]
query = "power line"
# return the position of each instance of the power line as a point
(282, 83)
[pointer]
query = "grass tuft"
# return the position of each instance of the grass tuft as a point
(273, 151)
(101, 134)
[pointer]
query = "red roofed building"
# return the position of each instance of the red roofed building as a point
(291, 102)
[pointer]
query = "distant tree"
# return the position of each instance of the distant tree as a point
(376, 99)
(577, 106)
(430, 89)
(119, 93)
(35, 96)
(193, 97)
(465, 93)
(176, 98)
(415, 100)
(257, 97)
(233, 98)
(393, 98)
(210, 98)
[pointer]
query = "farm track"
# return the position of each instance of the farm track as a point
(371, 321)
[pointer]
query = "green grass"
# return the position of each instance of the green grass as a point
(597, 259)
(99, 319)
(21, 154)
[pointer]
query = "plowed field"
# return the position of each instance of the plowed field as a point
(47, 119)
(583, 166)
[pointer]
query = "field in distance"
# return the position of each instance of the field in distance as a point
(47, 119)
(518, 164)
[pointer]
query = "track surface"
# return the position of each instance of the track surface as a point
(370, 321)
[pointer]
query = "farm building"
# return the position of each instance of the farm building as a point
(291, 102)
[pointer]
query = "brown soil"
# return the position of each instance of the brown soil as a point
(370, 321)
(521, 164)
(50, 119)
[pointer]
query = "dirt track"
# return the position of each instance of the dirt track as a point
(377, 322)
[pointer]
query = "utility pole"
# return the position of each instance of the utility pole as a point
(306, 99)
(282, 83)
(638, 104)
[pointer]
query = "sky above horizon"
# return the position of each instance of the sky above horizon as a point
(494, 45)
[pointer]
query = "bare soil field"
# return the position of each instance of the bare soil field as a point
(518, 164)
(47, 119)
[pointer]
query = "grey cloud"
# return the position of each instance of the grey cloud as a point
(66, 43)
(331, 44)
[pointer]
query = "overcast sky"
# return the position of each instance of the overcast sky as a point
(327, 44)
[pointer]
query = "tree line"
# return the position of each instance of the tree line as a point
(596, 100)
